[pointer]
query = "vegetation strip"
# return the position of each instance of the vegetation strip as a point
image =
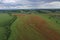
(7, 27)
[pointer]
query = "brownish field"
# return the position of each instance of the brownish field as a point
(40, 25)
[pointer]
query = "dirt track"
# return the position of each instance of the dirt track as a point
(41, 26)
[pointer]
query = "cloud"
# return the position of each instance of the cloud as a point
(9, 1)
(15, 4)
(29, 4)
(55, 4)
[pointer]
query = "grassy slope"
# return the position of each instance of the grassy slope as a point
(4, 18)
(52, 22)
(16, 32)
(19, 30)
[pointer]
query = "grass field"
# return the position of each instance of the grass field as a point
(29, 27)
(52, 21)
(35, 27)
(4, 21)
(4, 18)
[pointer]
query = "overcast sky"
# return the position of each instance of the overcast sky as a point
(29, 4)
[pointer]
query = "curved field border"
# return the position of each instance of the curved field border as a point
(38, 24)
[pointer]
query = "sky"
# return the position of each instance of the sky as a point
(29, 4)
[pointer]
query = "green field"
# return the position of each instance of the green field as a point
(4, 25)
(52, 21)
(20, 31)
(4, 18)
(30, 33)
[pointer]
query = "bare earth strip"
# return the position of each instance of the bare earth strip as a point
(39, 25)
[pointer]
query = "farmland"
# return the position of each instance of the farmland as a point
(5, 23)
(29, 26)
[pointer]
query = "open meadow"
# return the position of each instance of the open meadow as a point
(29, 26)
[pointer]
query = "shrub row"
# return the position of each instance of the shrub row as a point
(7, 27)
(55, 17)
